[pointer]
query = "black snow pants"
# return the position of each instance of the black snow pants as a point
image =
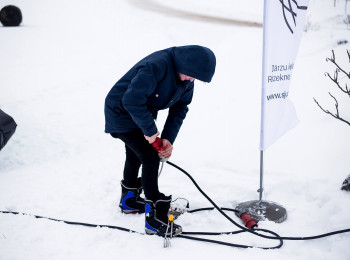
(140, 152)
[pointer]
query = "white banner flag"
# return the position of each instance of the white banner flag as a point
(283, 27)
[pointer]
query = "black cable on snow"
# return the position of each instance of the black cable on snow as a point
(186, 234)
(276, 236)
(73, 222)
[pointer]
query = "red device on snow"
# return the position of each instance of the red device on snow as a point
(248, 221)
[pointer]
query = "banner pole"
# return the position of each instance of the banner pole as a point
(262, 122)
(261, 189)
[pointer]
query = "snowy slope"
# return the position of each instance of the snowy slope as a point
(56, 70)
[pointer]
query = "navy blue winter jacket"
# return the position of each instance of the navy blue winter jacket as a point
(154, 84)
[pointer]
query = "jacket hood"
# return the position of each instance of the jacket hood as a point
(195, 61)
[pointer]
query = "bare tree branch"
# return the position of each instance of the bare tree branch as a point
(330, 113)
(336, 104)
(345, 89)
(338, 69)
(332, 59)
(335, 80)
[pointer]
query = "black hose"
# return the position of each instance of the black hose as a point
(276, 236)
(72, 222)
(186, 234)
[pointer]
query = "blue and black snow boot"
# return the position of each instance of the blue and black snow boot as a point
(130, 201)
(156, 217)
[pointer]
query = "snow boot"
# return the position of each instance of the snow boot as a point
(156, 218)
(130, 201)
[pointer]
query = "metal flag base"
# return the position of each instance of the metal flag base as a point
(263, 210)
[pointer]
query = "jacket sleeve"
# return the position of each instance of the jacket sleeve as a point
(135, 97)
(177, 114)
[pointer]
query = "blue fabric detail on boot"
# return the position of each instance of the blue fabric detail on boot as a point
(149, 227)
(128, 196)
(148, 210)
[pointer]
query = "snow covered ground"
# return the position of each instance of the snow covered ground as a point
(56, 70)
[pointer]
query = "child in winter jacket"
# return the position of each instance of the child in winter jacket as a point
(162, 80)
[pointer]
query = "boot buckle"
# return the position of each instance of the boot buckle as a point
(167, 239)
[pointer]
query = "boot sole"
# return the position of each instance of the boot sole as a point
(130, 211)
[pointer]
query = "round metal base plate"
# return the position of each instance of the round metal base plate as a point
(265, 210)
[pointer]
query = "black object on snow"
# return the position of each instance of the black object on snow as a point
(342, 42)
(11, 15)
(346, 184)
(7, 128)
